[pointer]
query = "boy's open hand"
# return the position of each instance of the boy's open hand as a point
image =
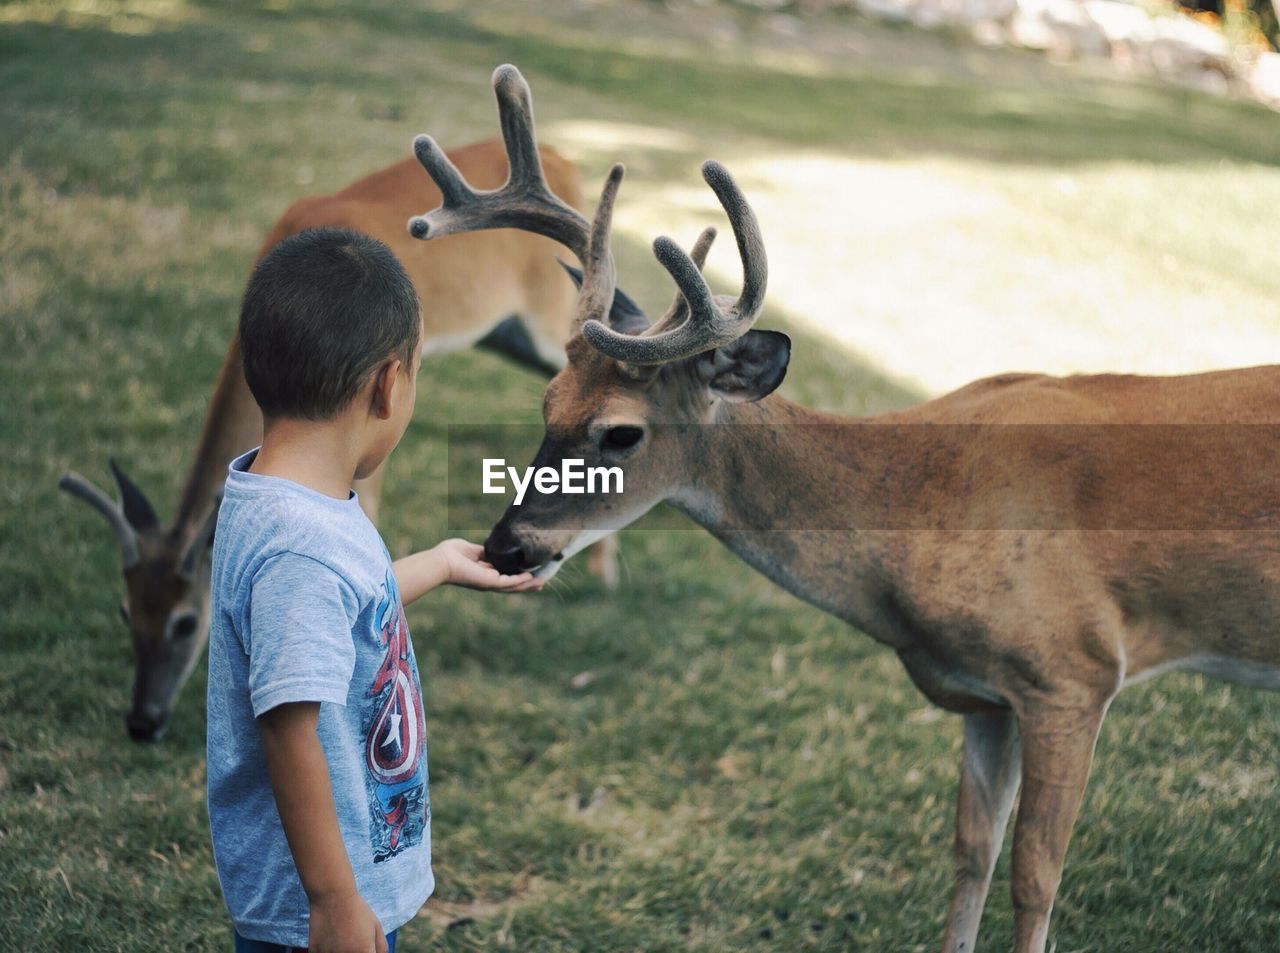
(467, 568)
(344, 924)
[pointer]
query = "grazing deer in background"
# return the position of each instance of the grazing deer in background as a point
(1027, 545)
(503, 290)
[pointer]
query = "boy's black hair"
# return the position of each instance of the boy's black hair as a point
(323, 310)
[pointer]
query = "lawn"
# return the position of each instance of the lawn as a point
(737, 771)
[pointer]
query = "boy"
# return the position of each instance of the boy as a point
(317, 767)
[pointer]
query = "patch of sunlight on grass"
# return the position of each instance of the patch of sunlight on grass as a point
(128, 17)
(943, 271)
(616, 137)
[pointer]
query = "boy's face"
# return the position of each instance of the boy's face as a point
(391, 428)
(406, 395)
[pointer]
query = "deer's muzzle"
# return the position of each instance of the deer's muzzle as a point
(504, 550)
(148, 724)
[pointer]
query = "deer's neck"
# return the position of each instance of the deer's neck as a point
(232, 425)
(789, 490)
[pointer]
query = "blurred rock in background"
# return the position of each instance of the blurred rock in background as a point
(1225, 47)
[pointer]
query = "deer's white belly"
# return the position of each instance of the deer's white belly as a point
(1253, 674)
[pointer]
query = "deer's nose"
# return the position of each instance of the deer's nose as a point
(147, 725)
(504, 552)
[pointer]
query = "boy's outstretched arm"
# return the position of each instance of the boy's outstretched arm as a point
(341, 920)
(458, 562)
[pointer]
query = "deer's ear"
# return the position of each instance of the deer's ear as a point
(137, 509)
(747, 369)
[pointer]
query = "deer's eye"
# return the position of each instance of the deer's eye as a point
(124, 612)
(184, 626)
(621, 438)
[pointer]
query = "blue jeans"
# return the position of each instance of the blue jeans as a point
(257, 946)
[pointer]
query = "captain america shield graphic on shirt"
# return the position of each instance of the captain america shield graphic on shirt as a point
(395, 743)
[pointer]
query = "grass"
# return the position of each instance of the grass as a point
(739, 771)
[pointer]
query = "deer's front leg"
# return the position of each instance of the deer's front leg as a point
(602, 561)
(1057, 751)
(988, 782)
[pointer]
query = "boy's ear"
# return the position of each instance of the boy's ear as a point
(384, 382)
(747, 369)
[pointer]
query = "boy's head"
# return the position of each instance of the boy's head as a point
(326, 311)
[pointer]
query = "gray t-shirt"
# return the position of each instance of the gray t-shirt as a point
(306, 608)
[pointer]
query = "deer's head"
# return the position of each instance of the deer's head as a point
(166, 596)
(635, 394)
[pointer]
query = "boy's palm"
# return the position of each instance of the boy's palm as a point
(345, 924)
(468, 569)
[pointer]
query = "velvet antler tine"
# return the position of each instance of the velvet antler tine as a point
(599, 281)
(678, 313)
(702, 246)
(515, 114)
(453, 188)
(679, 310)
(686, 274)
(755, 263)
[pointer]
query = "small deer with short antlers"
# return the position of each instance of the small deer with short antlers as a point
(1023, 544)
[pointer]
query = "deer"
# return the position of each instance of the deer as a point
(503, 291)
(1027, 545)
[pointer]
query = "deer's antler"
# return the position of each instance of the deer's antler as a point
(678, 313)
(712, 320)
(126, 535)
(524, 201)
(697, 321)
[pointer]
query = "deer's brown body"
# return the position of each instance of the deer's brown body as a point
(468, 286)
(1112, 603)
(1027, 545)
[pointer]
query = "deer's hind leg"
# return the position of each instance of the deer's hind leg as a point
(512, 338)
(989, 776)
